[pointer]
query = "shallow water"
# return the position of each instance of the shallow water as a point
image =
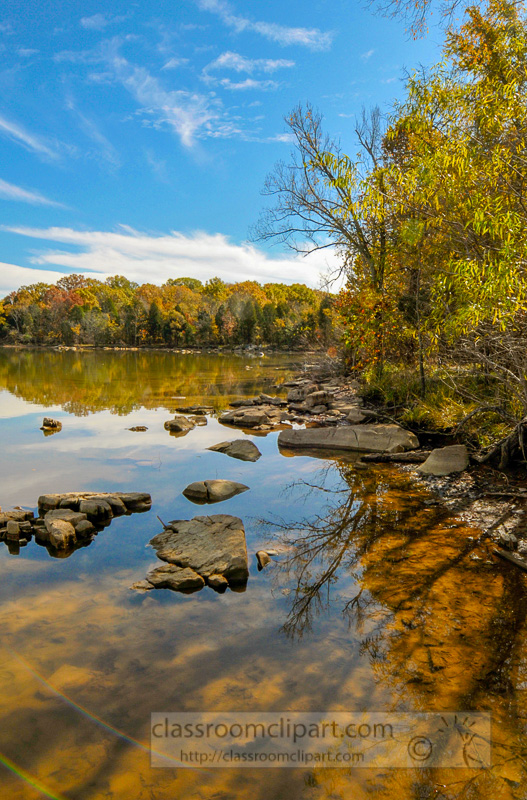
(378, 602)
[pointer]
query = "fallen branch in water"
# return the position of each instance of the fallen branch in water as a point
(516, 560)
(416, 457)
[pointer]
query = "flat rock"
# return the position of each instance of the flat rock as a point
(65, 514)
(212, 545)
(118, 502)
(356, 416)
(138, 428)
(179, 579)
(243, 449)
(445, 460)
(360, 438)
(213, 491)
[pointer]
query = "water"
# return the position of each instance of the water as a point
(378, 601)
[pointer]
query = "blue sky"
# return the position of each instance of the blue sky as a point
(136, 140)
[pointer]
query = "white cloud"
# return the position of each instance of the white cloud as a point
(248, 83)
(8, 191)
(13, 277)
(282, 137)
(312, 38)
(28, 140)
(26, 52)
(367, 55)
(148, 258)
(239, 63)
(95, 23)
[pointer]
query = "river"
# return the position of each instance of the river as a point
(377, 601)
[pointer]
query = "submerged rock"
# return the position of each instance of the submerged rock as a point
(360, 438)
(213, 491)
(445, 460)
(243, 449)
(210, 546)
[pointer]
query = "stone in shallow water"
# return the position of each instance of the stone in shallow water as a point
(243, 449)
(360, 438)
(212, 545)
(445, 461)
(213, 491)
(179, 579)
(179, 425)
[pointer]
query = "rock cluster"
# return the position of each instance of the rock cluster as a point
(68, 520)
(50, 426)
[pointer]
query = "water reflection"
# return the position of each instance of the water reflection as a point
(441, 625)
(124, 381)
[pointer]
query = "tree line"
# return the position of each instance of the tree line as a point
(183, 312)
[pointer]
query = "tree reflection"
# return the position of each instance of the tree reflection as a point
(441, 624)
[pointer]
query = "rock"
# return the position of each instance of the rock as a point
(320, 398)
(361, 438)
(84, 529)
(445, 460)
(13, 530)
(263, 559)
(199, 411)
(356, 416)
(243, 449)
(138, 428)
(49, 424)
(142, 586)
(116, 501)
(242, 403)
(61, 534)
(217, 582)
(179, 424)
(96, 509)
(17, 516)
(179, 579)
(301, 392)
(198, 420)
(212, 545)
(251, 417)
(213, 491)
(66, 514)
(317, 409)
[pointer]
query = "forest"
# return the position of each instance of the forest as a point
(429, 216)
(183, 312)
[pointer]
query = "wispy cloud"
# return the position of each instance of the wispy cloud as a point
(248, 83)
(239, 63)
(134, 254)
(190, 115)
(8, 191)
(367, 55)
(26, 52)
(104, 147)
(174, 63)
(312, 38)
(30, 141)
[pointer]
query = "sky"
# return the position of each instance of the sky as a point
(135, 138)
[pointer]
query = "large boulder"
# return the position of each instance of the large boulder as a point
(61, 534)
(243, 449)
(212, 545)
(213, 491)
(361, 438)
(445, 461)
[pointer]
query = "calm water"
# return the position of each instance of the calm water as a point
(378, 602)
